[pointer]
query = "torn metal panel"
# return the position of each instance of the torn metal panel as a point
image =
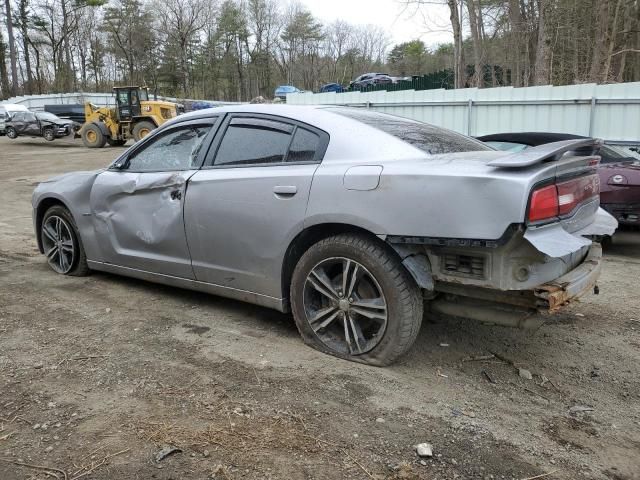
(555, 241)
(603, 224)
(573, 284)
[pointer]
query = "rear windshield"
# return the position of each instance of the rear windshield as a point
(430, 139)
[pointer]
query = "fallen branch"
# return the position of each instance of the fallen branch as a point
(542, 475)
(91, 468)
(49, 470)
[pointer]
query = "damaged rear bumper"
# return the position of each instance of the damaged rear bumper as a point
(582, 279)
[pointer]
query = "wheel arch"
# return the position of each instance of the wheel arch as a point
(44, 205)
(310, 236)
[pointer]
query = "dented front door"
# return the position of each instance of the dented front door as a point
(138, 218)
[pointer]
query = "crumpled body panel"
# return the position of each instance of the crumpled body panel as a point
(553, 240)
(138, 220)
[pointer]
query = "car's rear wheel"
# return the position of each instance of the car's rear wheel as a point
(11, 132)
(352, 298)
(61, 243)
(48, 134)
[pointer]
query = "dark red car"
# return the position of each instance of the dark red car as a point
(619, 170)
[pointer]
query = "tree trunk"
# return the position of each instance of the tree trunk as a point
(601, 41)
(24, 30)
(541, 68)
(5, 89)
(612, 42)
(476, 41)
(12, 49)
(454, 16)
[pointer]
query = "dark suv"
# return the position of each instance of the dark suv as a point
(40, 124)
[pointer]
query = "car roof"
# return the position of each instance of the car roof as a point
(350, 138)
(532, 139)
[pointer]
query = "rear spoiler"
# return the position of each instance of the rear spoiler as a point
(548, 152)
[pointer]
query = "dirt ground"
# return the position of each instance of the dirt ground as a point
(99, 374)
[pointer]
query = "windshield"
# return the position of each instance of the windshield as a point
(47, 116)
(143, 95)
(428, 138)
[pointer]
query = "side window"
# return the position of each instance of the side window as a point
(29, 117)
(251, 141)
(17, 117)
(175, 149)
(304, 146)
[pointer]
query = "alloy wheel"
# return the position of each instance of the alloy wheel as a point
(345, 306)
(58, 244)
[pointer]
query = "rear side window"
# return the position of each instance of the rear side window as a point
(304, 146)
(429, 139)
(254, 142)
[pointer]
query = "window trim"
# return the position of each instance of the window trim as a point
(212, 154)
(212, 121)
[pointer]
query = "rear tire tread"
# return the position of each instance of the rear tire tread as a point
(404, 288)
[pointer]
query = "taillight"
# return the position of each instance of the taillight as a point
(562, 198)
(544, 203)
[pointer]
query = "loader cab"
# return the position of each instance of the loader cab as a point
(128, 101)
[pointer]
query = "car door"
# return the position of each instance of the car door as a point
(31, 125)
(17, 122)
(249, 201)
(137, 204)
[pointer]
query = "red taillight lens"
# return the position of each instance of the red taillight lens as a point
(562, 198)
(544, 203)
(574, 192)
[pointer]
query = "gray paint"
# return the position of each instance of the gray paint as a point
(229, 231)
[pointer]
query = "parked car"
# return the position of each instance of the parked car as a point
(68, 111)
(39, 124)
(370, 79)
(332, 87)
(6, 110)
(619, 170)
(348, 218)
(282, 91)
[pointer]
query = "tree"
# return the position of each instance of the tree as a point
(12, 49)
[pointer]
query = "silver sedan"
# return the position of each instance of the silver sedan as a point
(352, 220)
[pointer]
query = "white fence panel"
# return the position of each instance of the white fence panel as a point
(611, 112)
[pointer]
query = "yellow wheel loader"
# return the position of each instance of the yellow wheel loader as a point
(134, 116)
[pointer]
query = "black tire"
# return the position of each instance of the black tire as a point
(142, 129)
(11, 133)
(403, 307)
(116, 143)
(92, 136)
(49, 134)
(78, 265)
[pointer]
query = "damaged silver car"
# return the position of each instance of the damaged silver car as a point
(352, 220)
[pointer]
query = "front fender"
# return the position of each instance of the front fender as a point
(73, 191)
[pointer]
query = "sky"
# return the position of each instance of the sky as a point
(430, 23)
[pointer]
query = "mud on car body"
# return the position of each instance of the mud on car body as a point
(350, 219)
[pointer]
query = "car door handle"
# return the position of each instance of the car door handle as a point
(176, 195)
(285, 190)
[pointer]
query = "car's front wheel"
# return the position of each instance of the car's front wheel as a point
(61, 243)
(352, 298)
(11, 132)
(49, 135)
